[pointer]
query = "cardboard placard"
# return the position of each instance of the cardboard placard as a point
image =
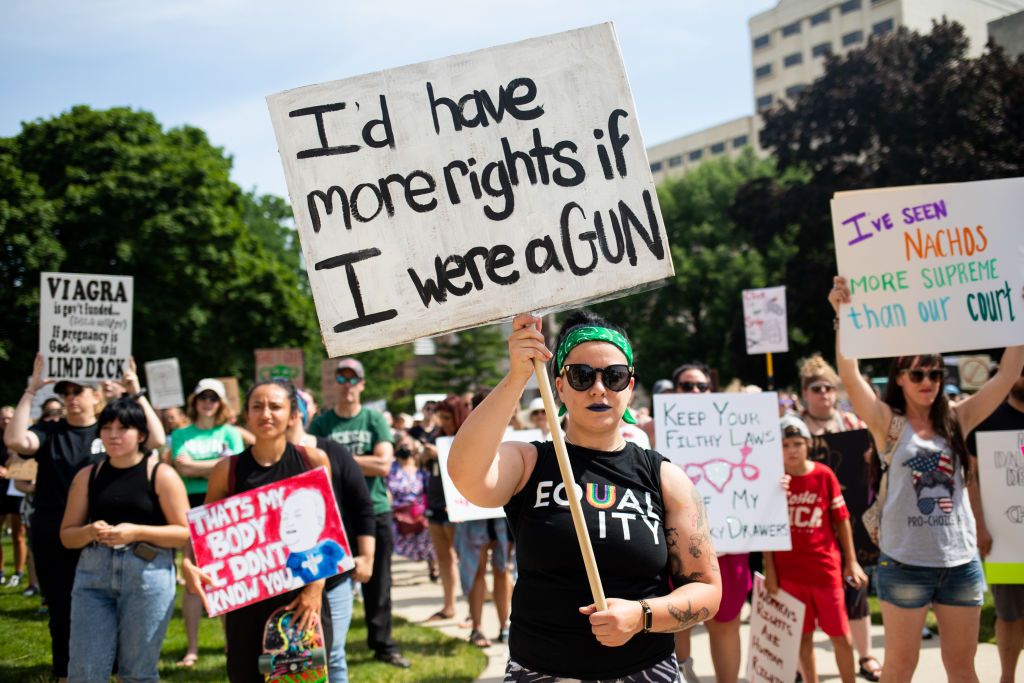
(730, 446)
(469, 189)
(776, 625)
(459, 509)
(269, 540)
(764, 320)
(85, 325)
(1001, 476)
(21, 469)
(163, 382)
(233, 392)
(844, 453)
(932, 268)
(283, 364)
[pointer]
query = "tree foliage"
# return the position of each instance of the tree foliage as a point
(908, 109)
(466, 361)
(113, 192)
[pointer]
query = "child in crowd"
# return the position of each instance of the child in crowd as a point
(813, 571)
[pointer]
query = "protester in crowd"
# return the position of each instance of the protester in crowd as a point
(1008, 598)
(53, 411)
(271, 407)
(663, 386)
(369, 439)
(427, 428)
(813, 571)
(538, 416)
(403, 423)
(10, 509)
(820, 390)
(173, 418)
(61, 449)
(451, 413)
(356, 508)
(788, 404)
(195, 450)
(927, 523)
(125, 514)
(556, 629)
(407, 484)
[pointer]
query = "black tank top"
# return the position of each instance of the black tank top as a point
(622, 505)
(249, 474)
(124, 495)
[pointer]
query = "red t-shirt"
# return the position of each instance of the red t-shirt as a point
(815, 504)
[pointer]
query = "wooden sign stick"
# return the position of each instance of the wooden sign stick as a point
(596, 589)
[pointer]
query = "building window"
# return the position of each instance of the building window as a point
(820, 18)
(793, 59)
(718, 148)
(739, 141)
(849, 6)
(821, 50)
(791, 29)
(762, 41)
(656, 167)
(853, 37)
(695, 155)
(764, 101)
(424, 347)
(882, 27)
(794, 90)
(763, 71)
(677, 160)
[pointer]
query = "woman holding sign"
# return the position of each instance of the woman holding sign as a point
(927, 531)
(270, 407)
(646, 521)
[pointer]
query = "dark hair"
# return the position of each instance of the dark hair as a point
(457, 407)
(692, 365)
(129, 414)
(479, 397)
(584, 318)
(940, 415)
(293, 396)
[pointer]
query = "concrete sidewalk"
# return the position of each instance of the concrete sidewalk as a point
(416, 598)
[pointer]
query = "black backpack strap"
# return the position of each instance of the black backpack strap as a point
(232, 468)
(152, 476)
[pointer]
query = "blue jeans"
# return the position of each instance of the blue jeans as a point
(340, 600)
(912, 587)
(119, 604)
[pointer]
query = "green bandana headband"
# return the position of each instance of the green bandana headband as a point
(588, 334)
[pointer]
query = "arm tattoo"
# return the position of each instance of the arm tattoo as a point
(699, 542)
(688, 618)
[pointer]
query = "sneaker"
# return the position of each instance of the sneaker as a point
(394, 659)
(14, 581)
(686, 671)
(30, 592)
(3, 579)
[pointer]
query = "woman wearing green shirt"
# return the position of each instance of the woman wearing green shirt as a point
(195, 450)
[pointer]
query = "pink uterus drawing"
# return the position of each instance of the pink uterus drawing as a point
(718, 471)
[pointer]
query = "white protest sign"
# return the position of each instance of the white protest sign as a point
(460, 509)
(163, 382)
(1001, 476)
(764, 320)
(730, 446)
(421, 400)
(776, 625)
(462, 191)
(932, 268)
(85, 325)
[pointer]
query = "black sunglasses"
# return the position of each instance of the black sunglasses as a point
(71, 391)
(688, 387)
(582, 376)
(917, 376)
(821, 388)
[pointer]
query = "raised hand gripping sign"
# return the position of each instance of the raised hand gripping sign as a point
(269, 540)
(462, 191)
(931, 268)
(730, 446)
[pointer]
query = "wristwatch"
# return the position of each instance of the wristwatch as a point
(648, 616)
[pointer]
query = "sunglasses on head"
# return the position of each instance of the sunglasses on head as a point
(582, 376)
(342, 379)
(917, 375)
(690, 387)
(821, 388)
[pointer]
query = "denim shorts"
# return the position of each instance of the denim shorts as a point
(911, 587)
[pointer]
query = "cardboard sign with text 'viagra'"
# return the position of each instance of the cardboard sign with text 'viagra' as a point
(269, 540)
(462, 191)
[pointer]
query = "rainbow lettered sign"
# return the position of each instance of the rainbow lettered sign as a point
(269, 540)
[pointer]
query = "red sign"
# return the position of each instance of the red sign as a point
(269, 540)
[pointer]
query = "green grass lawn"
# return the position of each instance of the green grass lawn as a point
(25, 650)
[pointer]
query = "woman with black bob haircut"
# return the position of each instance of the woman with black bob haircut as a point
(655, 556)
(127, 513)
(270, 409)
(927, 536)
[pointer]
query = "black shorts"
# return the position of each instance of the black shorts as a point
(437, 516)
(856, 601)
(196, 499)
(9, 505)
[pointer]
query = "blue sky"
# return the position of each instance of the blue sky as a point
(211, 63)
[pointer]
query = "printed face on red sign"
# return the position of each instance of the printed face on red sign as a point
(302, 520)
